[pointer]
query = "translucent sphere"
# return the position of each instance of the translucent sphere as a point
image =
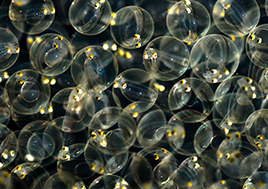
(190, 174)
(236, 17)
(103, 163)
(94, 66)
(256, 46)
(150, 128)
(109, 182)
(8, 146)
(112, 130)
(166, 58)
(192, 99)
(31, 16)
(214, 58)
(163, 164)
(264, 80)
(26, 92)
(131, 91)
(237, 158)
(68, 102)
(255, 127)
(138, 171)
(51, 54)
(257, 180)
(188, 138)
(4, 179)
(90, 17)
(188, 20)
(71, 159)
(9, 49)
(4, 111)
(132, 27)
(40, 142)
(28, 176)
(235, 99)
(64, 180)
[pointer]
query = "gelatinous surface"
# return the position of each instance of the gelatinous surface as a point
(98, 67)
(188, 20)
(9, 49)
(90, 17)
(236, 17)
(51, 54)
(214, 58)
(132, 27)
(256, 46)
(166, 58)
(31, 16)
(26, 92)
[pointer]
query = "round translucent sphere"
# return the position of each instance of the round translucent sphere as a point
(103, 163)
(9, 49)
(27, 92)
(191, 99)
(51, 54)
(163, 164)
(256, 46)
(257, 180)
(188, 20)
(112, 130)
(64, 180)
(28, 176)
(132, 27)
(94, 66)
(109, 182)
(31, 16)
(236, 17)
(71, 159)
(90, 17)
(150, 129)
(67, 102)
(131, 91)
(235, 99)
(166, 58)
(214, 58)
(191, 173)
(8, 146)
(188, 138)
(238, 159)
(4, 179)
(39, 142)
(255, 127)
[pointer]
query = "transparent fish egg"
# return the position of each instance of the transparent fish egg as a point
(132, 92)
(214, 58)
(64, 180)
(191, 99)
(256, 46)
(28, 176)
(188, 20)
(166, 58)
(236, 17)
(8, 146)
(31, 16)
(40, 142)
(9, 49)
(112, 130)
(90, 17)
(94, 68)
(26, 92)
(132, 27)
(51, 54)
(235, 99)
(109, 182)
